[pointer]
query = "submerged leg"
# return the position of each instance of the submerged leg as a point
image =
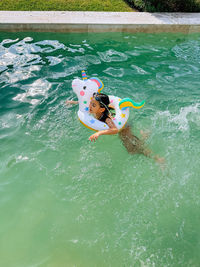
(136, 146)
(131, 142)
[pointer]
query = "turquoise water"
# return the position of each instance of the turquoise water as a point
(67, 202)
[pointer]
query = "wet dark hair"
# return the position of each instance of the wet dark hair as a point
(104, 101)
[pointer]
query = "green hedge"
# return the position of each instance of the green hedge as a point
(70, 5)
(166, 5)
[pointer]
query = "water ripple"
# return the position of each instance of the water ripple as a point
(139, 70)
(115, 72)
(37, 89)
(48, 46)
(189, 51)
(112, 56)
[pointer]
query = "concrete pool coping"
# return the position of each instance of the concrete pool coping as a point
(76, 21)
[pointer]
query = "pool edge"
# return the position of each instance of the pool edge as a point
(68, 21)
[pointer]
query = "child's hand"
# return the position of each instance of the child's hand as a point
(69, 102)
(94, 137)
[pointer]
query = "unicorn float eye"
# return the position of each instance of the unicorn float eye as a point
(84, 87)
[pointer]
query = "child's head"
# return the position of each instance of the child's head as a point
(99, 104)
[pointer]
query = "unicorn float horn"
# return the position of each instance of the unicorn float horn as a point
(127, 102)
(84, 76)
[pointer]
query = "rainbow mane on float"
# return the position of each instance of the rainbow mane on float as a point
(94, 79)
(127, 102)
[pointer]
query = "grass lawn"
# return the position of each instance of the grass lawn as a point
(66, 5)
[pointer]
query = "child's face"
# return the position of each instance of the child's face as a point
(95, 107)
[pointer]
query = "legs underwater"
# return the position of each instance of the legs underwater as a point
(136, 146)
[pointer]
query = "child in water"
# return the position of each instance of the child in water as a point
(101, 109)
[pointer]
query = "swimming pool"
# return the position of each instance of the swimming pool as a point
(67, 202)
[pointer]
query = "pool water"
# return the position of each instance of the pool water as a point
(67, 202)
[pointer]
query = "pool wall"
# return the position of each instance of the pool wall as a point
(68, 21)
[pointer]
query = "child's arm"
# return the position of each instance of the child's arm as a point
(112, 130)
(68, 102)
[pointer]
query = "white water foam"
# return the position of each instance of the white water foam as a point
(38, 88)
(182, 119)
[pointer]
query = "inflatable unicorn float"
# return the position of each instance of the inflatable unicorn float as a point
(85, 88)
